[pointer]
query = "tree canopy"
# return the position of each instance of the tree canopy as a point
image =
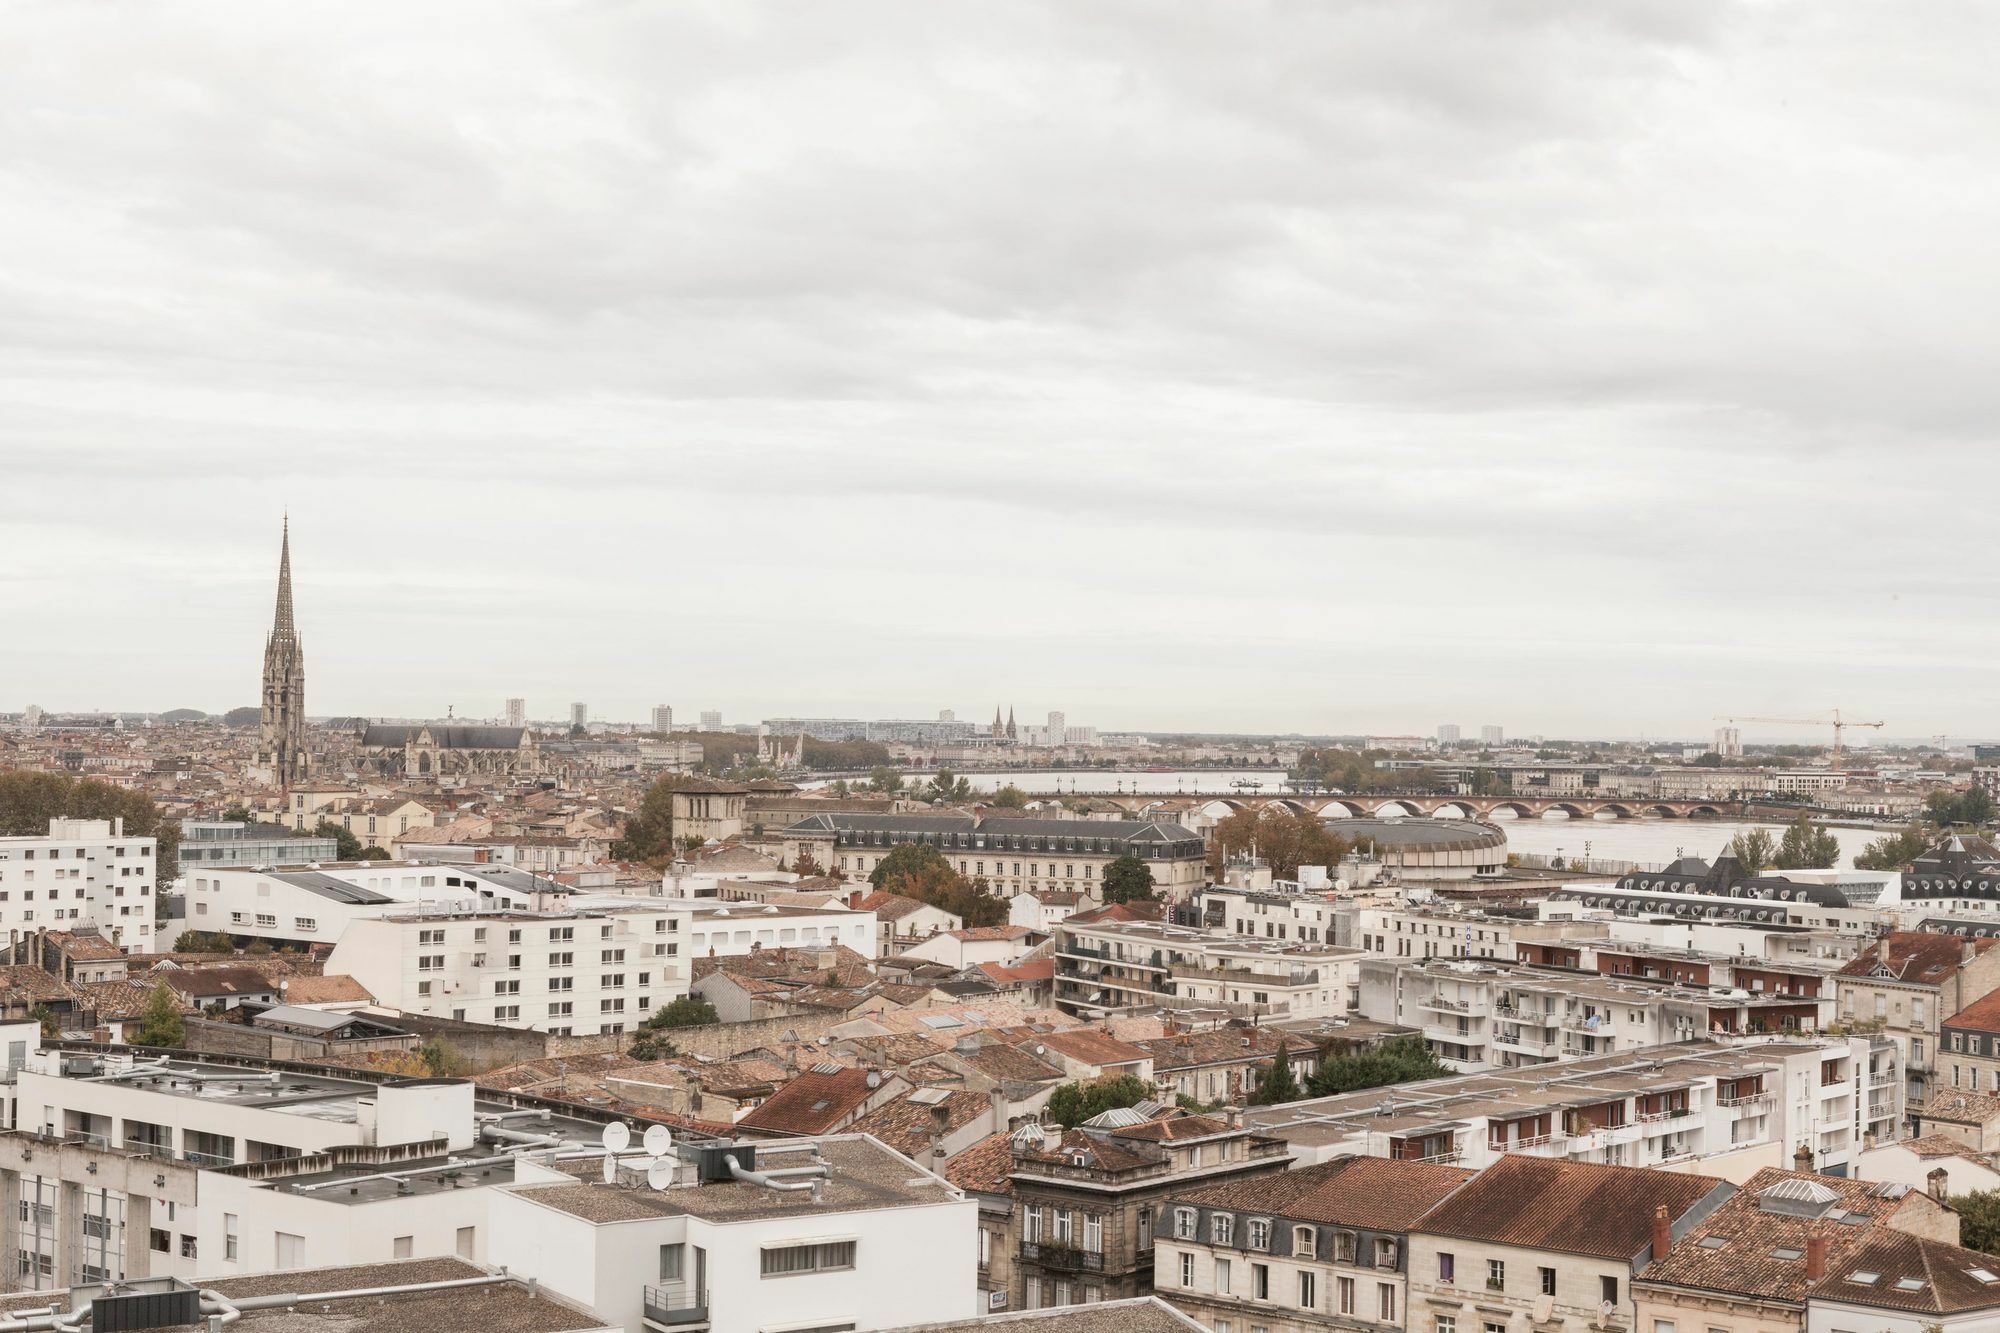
(1285, 840)
(161, 1023)
(651, 1042)
(1008, 797)
(1278, 1086)
(1073, 1103)
(1754, 849)
(1128, 879)
(916, 870)
(1972, 806)
(947, 787)
(1401, 1060)
(1807, 846)
(1894, 851)
(28, 801)
(1978, 1220)
(648, 834)
(346, 847)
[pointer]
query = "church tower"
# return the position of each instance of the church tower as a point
(281, 723)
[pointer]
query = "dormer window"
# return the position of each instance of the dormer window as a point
(1221, 1228)
(1260, 1233)
(1343, 1247)
(1305, 1242)
(1184, 1223)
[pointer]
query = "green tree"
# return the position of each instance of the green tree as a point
(945, 787)
(242, 717)
(237, 814)
(904, 860)
(839, 787)
(1008, 797)
(1279, 1086)
(1895, 851)
(28, 801)
(373, 854)
(650, 1041)
(1401, 1060)
(161, 1023)
(884, 779)
(443, 1060)
(648, 834)
(51, 1028)
(1754, 849)
(1285, 840)
(1128, 879)
(204, 941)
(1978, 1220)
(1806, 846)
(1073, 1103)
(346, 847)
(1947, 808)
(689, 1011)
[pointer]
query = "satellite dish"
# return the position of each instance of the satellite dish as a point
(616, 1137)
(658, 1139)
(660, 1173)
(610, 1169)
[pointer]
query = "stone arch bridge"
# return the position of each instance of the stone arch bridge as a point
(1462, 807)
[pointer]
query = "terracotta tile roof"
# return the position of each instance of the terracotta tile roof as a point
(1027, 974)
(1937, 1145)
(1970, 1108)
(1368, 1193)
(889, 906)
(1982, 1015)
(812, 1103)
(1188, 1050)
(1099, 1147)
(1912, 1273)
(1569, 1207)
(1174, 1128)
(1011, 1064)
(1748, 1248)
(84, 948)
(218, 982)
(1919, 956)
(991, 934)
(986, 1166)
(336, 989)
(115, 1001)
(1089, 1046)
(798, 964)
(23, 984)
(906, 1125)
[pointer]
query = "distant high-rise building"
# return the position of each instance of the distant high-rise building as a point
(711, 719)
(663, 718)
(1729, 742)
(281, 719)
(517, 712)
(1492, 735)
(1054, 733)
(1447, 733)
(32, 718)
(946, 715)
(579, 715)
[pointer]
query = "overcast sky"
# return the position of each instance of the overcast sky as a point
(1585, 368)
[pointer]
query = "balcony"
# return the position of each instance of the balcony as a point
(1065, 1258)
(1540, 1018)
(670, 1308)
(1533, 1144)
(1748, 1099)
(1543, 1050)
(1442, 1005)
(1452, 1036)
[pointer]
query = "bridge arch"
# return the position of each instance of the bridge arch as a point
(1449, 810)
(1707, 811)
(1659, 812)
(1338, 809)
(1616, 810)
(1509, 810)
(1391, 810)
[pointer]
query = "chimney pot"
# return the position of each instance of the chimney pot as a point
(1815, 1255)
(1939, 1183)
(1663, 1233)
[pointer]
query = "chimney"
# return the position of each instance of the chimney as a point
(1663, 1233)
(1967, 952)
(1938, 1182)
(1235, 1114)
(1802, 1159)
(1815, 1255)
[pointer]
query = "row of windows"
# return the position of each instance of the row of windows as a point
(1305, 1292)
(1304, 1239)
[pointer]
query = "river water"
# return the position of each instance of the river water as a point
(1645, 842)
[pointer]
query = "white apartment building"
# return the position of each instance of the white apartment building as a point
(1487, 1015)
(663, 718)
(317, 904)
(594, 971)
(83, 872)
(1104, 967)
(1697, 1106)
(601, 964)
(806, 1234)
(517, 712)
(1294, 917)
(202, 1168)
(1806, 781)
(1419, 931)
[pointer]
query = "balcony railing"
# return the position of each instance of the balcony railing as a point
(1066, 1257)
(664, 1305)
(1530, 1144)
(1745, 1099)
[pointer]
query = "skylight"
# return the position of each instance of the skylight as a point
(1909, 1284)
(1787, 1252)
(1864, 1278)
(1713, 1242)
(1985, 1275)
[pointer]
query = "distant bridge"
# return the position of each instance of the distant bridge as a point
(1461, 807)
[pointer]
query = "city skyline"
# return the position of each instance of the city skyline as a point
(1559, 367)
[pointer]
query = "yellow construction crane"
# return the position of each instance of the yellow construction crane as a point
(1831, 718)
